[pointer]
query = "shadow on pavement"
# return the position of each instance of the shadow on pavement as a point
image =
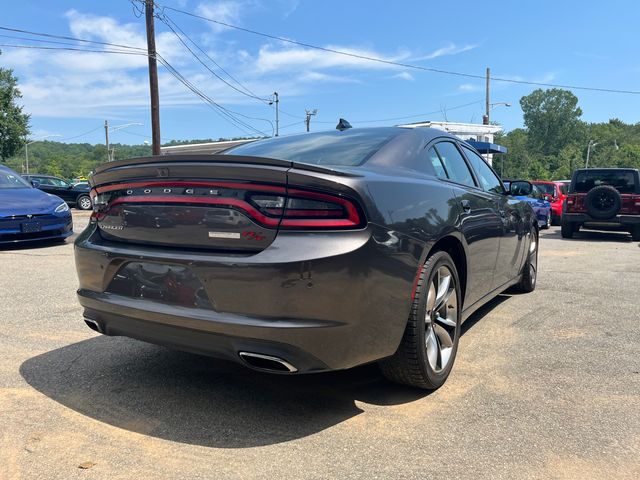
(200, 400)
(592, 236)
(35, 244)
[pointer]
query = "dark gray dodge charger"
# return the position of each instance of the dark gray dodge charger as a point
(307, 253)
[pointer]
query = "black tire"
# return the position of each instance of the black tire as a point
(567, 229)
(547, 225)
(83, 202)
(603, 202)
(635, 233)
(529, 278)
(410, 365)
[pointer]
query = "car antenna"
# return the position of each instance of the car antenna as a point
(343, 125)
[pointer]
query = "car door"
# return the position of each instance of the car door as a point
(511, 222)
(479, 221)
(59, 187)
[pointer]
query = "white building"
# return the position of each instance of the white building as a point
(465, 131)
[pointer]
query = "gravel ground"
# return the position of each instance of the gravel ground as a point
(546, 385)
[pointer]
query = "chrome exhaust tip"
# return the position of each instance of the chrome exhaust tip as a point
(267, 363)
(93, 325)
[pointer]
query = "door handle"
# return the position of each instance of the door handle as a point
(466, 206)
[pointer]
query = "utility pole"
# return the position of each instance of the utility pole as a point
(275, 94)
(485, 118)
(590, 147)
(106, 137)
(309, 114)
(153, 78)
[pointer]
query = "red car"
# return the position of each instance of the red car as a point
(555, 193)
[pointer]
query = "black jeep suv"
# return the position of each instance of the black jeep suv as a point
(603, 198)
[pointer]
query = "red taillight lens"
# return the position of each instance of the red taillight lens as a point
(302, 209)
(269, 205)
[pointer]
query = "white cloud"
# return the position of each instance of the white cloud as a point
(449, 49)
(404, 76)
(470, 87)
(226, 11)
(272, 59)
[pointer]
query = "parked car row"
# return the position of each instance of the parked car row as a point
(75, 194)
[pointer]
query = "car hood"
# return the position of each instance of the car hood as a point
(26, 201)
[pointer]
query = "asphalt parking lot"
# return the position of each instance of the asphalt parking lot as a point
(546, 385)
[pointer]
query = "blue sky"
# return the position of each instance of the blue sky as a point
(69, 93)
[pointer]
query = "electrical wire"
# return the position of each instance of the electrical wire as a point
(225, 113)
(408, 116)
(394, 63)
(167, 21)
(63, 37)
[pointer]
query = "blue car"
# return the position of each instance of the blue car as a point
(29, 214)
(541, 207)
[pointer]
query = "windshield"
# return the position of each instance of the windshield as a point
(622, 180)
(9, 179)
(347, 148)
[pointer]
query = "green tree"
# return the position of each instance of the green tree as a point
(14, 124)
(552, 119)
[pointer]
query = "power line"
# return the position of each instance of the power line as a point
(63, 37)
(399, 64)
(226, 113)
(409, 116)
(222, 111)
(81, 135)
(42, 47)
(165, 19)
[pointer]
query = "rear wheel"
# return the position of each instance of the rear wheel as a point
(428, 348)
(84, 203)
(635, 233)
(567, 229)
(530, 270)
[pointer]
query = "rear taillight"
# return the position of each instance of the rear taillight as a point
(305, 209)
(270, 206)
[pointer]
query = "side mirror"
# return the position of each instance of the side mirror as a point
(548, 197)
(35, 183)
(520, 188)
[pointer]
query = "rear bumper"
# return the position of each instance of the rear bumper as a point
(51, 228)
(617, 220)
(319, 301)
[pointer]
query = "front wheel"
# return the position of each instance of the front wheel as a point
(547, 224)
(428, 348)
(84, 203)
(635, 233)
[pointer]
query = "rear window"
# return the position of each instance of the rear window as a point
(348, 148)
(546, 188)
(622, 180)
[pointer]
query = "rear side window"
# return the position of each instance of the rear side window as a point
(623, 181)
(435, 161)
(454, 164)
(487, 178)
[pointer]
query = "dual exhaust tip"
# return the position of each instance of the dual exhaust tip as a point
(258, 361)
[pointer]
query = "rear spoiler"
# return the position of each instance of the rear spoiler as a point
(218, 158)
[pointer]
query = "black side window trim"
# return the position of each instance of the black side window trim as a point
(504, 190)
(437, 140)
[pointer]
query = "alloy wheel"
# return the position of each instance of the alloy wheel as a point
(85, 203)
(441, 319)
